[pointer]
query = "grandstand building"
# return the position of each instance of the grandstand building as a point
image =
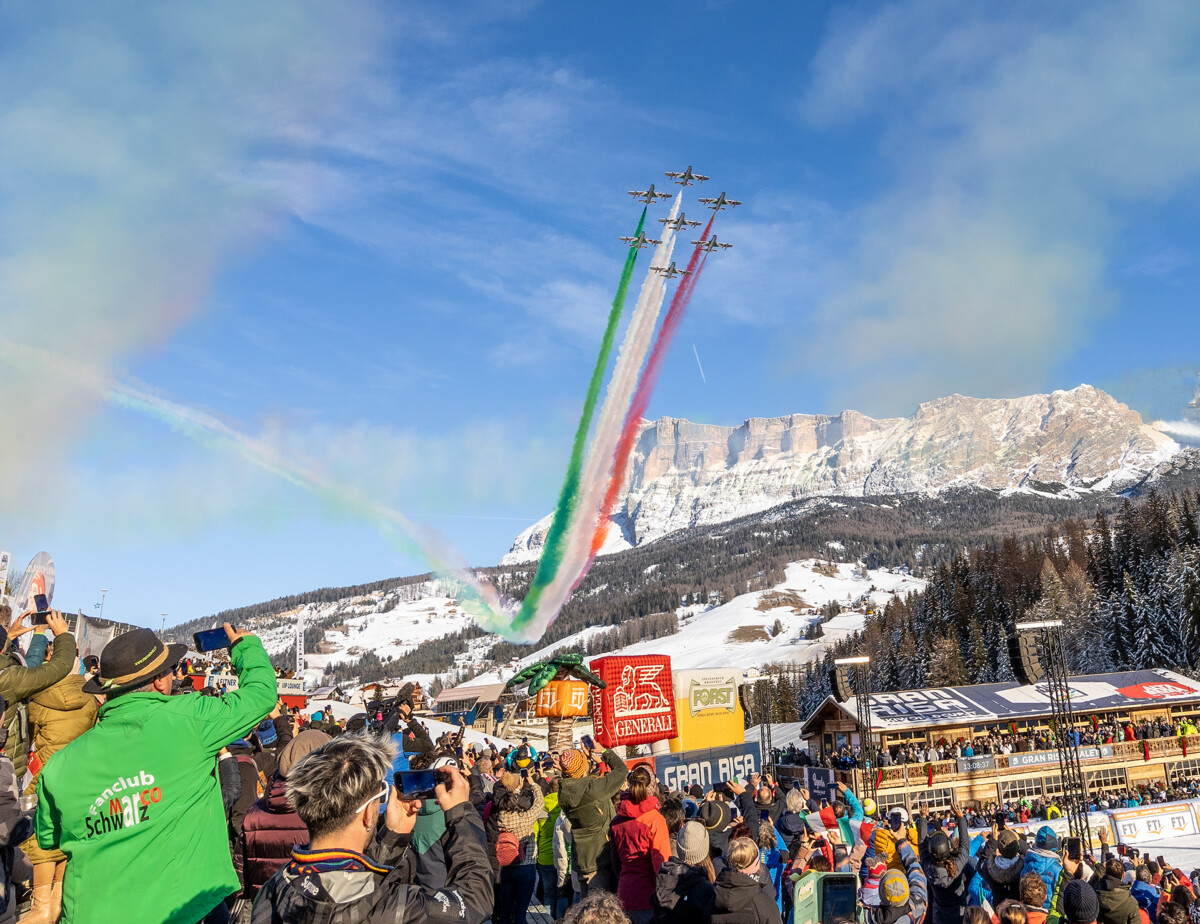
(1020, 715)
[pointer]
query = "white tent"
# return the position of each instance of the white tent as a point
(782, 734)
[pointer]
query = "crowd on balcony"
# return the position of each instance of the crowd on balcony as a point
(996, 741)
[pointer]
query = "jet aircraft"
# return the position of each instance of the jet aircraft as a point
(649, 196)
(680, 222)
(640, 241)
(683, 179)
(671, 271)
(720, 202)
(710, 244)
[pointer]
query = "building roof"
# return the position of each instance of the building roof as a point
(479, 693)
(986, 703)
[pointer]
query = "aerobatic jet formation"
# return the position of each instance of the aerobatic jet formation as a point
(720, 202)
(683, 179)
(649, 196)
(640, 241)
(710, 244)
(680, 222)
(671, 271)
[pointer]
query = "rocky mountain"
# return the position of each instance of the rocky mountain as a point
(683, 474)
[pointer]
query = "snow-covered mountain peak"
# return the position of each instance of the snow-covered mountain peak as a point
(683, 474)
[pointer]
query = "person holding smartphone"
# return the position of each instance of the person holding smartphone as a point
(18, 682)
(135, 802)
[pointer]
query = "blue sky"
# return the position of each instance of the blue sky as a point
(384, 237)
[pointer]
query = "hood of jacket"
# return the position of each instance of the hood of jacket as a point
(627, 808)
(1116, 887)
(1004, 870)
(735, 890)
(274, 800)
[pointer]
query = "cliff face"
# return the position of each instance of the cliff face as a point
(683, 474)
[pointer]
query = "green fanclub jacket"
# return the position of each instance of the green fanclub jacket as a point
(135, 803)
(587, 803)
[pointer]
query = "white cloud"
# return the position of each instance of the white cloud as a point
(1019, 136)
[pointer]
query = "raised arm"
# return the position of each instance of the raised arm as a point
(220, 719)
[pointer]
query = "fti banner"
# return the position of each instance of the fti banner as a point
(707, 709)
(638, 705)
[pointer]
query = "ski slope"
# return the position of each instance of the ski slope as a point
(366, 624)
(740, 633)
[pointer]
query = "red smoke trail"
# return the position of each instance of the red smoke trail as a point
(645, 387)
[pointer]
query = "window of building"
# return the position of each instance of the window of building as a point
(1183, 768)
(1029, 787)
(1107, 779)
(1053, 785)
(937, 798)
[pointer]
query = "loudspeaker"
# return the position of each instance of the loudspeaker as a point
(1023, 655)
(839, 683)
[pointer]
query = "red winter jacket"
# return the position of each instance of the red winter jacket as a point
(640, 845)
(270, 831)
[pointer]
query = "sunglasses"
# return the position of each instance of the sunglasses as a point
(385, 790)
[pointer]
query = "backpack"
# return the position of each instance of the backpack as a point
(260, 778)
(512, 847)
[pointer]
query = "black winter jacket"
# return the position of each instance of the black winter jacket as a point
(742, 899)
(682, 895)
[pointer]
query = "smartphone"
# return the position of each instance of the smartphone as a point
(91, 663)
(764, 815)
(418, 784)
(42, 609)
(1074, 848)
(587, 742)
(1122, 850)
(1001, 820)
(210, 640)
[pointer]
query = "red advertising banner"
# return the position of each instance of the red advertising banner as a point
(638, 705)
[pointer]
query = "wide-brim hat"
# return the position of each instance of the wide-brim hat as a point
(132, 659)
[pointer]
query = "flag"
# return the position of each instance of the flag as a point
(90, 638)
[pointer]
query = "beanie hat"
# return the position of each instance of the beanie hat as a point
(1046, 838)
(266, 733)
(893, 888)
(318, 716)
(693, 843)
(1007, 842)
(573, 762)
(302, 745)
(869, 894)
(1080, 904)
(939, 846)
(713, 815)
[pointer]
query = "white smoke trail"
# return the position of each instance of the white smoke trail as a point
(479, 600)
(594, 479)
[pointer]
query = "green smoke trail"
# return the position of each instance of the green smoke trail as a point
(555, 546)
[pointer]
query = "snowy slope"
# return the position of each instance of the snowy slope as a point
(366, 624)
(738, 633)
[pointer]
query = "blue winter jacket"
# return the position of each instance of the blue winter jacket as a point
(1048, 866)
(1146, 896)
